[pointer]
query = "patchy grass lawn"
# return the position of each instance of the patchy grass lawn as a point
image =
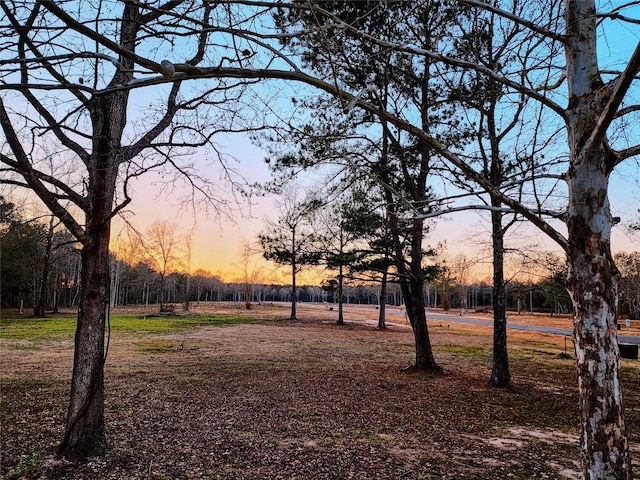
(268, 398)
(32, 328)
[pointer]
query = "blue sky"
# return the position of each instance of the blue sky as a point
(216, 242)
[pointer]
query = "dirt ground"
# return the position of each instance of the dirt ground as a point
(306, 399)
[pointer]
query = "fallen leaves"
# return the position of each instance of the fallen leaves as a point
(304, 401)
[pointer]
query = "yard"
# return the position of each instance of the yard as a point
(225, 393)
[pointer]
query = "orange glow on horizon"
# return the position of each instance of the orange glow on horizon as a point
(216, 241)
(216, 247)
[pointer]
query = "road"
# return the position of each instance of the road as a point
(520, 326)
(452, 318)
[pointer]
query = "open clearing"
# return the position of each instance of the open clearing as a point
(261, 397)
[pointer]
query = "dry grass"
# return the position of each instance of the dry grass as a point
(304, 400)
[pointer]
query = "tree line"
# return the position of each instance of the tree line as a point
(40, 270)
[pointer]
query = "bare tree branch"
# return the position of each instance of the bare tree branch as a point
(393, 119)
(627, 110)
(488, 208)
(515, 18)
(627, 153)
(33, 180)
(102, 40)
(619, 88)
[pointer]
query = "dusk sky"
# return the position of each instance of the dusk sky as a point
(216, 240)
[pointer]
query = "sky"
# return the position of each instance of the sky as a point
(217, 240)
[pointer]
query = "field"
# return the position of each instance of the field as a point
(225, 393)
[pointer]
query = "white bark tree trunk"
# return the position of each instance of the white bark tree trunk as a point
(593, 276)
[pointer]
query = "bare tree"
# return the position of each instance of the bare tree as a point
(188, 244)
(461, 266)
(66, 92)
(291, 240)
(163, 249)
(635, 226)
(250, 268)
(629, 265)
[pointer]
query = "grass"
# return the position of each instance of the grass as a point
(309, 400)
(462, 350)
(33, 328)
(27, 466)
(21, 328)
(158, 346)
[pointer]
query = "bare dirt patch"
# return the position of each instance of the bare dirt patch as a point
(302, 399)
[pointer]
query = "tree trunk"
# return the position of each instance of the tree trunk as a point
(412, 281)
(294, 266)
(187, 295)
(593, 286)
(383, 300)
(39, 310)
(114, 283)
(85, 429)
(412, 290)
(56, 292)
(593, 277)
(294, 315)
(500, 375)
(161, 292)
(340, 290)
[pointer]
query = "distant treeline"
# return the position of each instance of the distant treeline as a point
(40, 270)
(139, 285)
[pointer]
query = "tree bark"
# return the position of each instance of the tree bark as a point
(39, 310)
(413, 287)
(593, 277)
(294, 266)
(411, 279)
(500, 375)
(412, 290)
(85, 427)
(383, 300)
(85, 430)
(593, 286)
(340, 293)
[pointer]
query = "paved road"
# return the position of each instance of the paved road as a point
(394, 311)
(520, 326)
